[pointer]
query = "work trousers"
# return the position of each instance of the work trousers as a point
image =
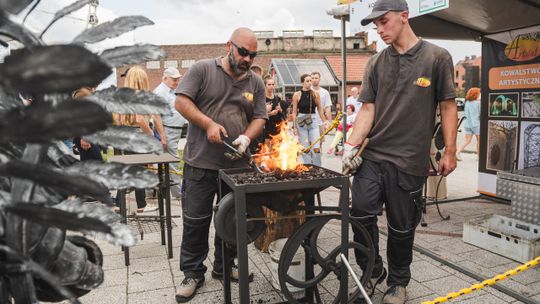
(376, 184)
(200, 189)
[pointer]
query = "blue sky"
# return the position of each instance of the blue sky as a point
(210, 21)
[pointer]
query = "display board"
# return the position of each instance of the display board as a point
(510, 119)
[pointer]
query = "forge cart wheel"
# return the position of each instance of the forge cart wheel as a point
(225, 219)
(325, 257)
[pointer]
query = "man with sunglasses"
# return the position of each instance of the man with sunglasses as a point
(223, 100)
(402, 87)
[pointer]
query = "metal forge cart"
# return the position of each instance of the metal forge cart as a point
(248, 191)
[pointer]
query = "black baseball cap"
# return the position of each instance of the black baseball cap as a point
(382, 7)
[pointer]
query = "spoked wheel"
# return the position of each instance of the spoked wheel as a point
(325, 258)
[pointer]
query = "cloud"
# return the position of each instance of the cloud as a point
(206, 21)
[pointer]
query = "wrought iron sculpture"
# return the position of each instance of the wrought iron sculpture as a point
(44, 191)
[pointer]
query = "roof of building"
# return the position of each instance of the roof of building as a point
(356, 65)
(288, 71)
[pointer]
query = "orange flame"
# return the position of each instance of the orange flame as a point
(280, 152)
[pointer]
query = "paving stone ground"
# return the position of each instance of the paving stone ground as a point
(152, 277)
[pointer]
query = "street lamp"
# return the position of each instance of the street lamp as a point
(342, 12)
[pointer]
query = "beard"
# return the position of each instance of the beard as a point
(238, 67)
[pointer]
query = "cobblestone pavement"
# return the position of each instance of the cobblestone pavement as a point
(152, 278)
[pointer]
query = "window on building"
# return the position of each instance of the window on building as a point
(170, 64)
(186, 64)
(153, 65)
(457, 74)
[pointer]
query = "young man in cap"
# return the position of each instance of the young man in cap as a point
(174, 122)
(402, 87)
(224, 101)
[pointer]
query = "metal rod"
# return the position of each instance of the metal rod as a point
(288, 217)
(351, 271)
(344, 81)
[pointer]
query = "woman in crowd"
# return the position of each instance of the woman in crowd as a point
(472, 120)
(136, 78)
(87, 151)
(351, 115)
(274, 107)
(304, 103)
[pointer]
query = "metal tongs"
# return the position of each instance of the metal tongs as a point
(235, 154)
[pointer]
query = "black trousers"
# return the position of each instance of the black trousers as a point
(376, 184)
(200, 187)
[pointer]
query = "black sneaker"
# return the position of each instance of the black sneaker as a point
(188, 288)
(234, 274)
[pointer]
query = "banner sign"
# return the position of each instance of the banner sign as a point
(510, 115)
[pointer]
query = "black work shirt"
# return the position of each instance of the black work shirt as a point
(406, 89)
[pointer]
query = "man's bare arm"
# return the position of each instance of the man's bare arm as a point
(362, 124)
(255, 128)
(449, 119)
(188, 110)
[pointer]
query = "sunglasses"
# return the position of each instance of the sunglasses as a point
(243, 52)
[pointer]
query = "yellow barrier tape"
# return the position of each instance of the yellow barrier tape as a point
(485, 283)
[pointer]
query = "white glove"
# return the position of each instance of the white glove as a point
(241, 143)
(351, 161)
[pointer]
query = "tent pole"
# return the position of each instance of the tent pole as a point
(344, 78)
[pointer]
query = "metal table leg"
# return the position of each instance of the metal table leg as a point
(160, 204)
(123, 220)
(166, 188)
(241, 243)
(344, 203)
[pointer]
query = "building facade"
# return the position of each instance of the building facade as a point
(467, 74)
(291, 45)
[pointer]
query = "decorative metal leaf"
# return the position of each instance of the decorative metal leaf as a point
(42, 122)
(112, 29)
(8, 101)
(14, 6)
(89, 210)
(66, 184)
(5, 199)
(58, 218)
(60, 156)
(130, 101)
(16, 32)
(52, 69)
(123, 55)
(65, 11)
(115, 175)
(126, 139)
(120, 235)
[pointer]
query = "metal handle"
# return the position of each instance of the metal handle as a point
(351, 271)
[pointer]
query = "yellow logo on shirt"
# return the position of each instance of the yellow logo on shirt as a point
(423, 82)
(248, 96)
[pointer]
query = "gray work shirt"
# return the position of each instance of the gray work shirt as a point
(406, 89)
(230, 103)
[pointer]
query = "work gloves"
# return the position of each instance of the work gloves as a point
(241, 143)
(351, 161)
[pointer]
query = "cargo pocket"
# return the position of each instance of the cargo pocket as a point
(191, 175)
(413, 186)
